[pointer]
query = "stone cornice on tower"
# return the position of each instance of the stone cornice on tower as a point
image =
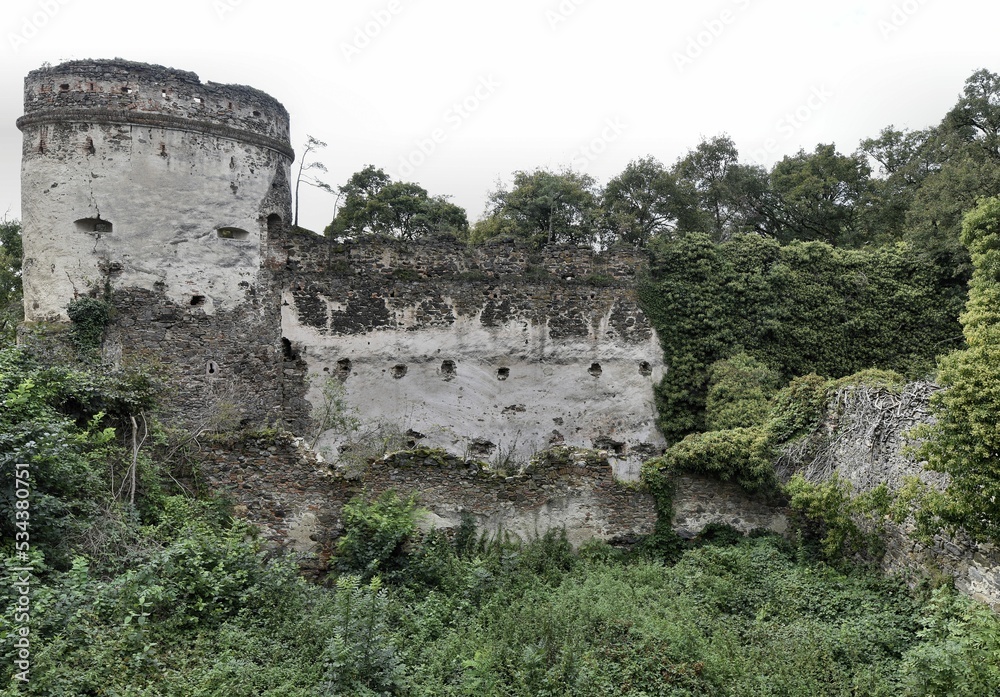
(140, 94)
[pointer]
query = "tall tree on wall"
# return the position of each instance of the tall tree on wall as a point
(374, 204)
(307, 172)
(543, 206)
(645, 201)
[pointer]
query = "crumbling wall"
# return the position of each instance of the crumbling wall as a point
(701, 500)
(495, 352)
(295, 499)
(864, 442)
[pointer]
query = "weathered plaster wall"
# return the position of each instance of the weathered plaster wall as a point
(495, 352)
(863, 442)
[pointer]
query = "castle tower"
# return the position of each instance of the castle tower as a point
(144, 186)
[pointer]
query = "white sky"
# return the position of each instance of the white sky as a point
(591, 84)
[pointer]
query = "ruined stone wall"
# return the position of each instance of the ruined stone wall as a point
(296, 500)
(864, 442)
(701, 500)
(493, 351)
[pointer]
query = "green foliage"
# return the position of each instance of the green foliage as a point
(801, 308)
(966, 438)
(959, 651)
(374, 204)
(820, 195)
(90, 317)
(643, 202)
(739, 389)
(742, 455)
(543, 206)
(360, 658)
(63, 423)
(11, 307)
(374, 534)
(828, 513)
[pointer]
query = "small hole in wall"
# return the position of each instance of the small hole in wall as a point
(398, 371)
(344, 367)
(503, 373)
(197, 300)
(232, 233)
(256, 113)
(211, 368)
(286, 349)
(645, 368)
(448, 369)
(93, 225)
(595, 370)
(64, 87)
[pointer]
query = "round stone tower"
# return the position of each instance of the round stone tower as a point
(139, 176)
(144, 187)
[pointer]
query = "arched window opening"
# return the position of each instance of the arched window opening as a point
(273, 223)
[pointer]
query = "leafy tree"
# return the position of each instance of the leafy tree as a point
(374, 204)
(11, 308)
(976, 117)
(646, 200)
(544, 206)
(712, 170)
(820, 194)
(965, 441)
(905, 159)
(306, 176)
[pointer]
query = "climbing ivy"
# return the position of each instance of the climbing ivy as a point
(90, 317)
(796, 309)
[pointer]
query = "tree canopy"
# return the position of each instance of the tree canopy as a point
(374, 204)
(543, 206)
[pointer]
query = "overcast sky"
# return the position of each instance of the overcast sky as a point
(456, 94)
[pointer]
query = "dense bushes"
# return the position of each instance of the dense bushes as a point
(795, 309)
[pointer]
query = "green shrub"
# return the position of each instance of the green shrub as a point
(374, 534)
(828, 513)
